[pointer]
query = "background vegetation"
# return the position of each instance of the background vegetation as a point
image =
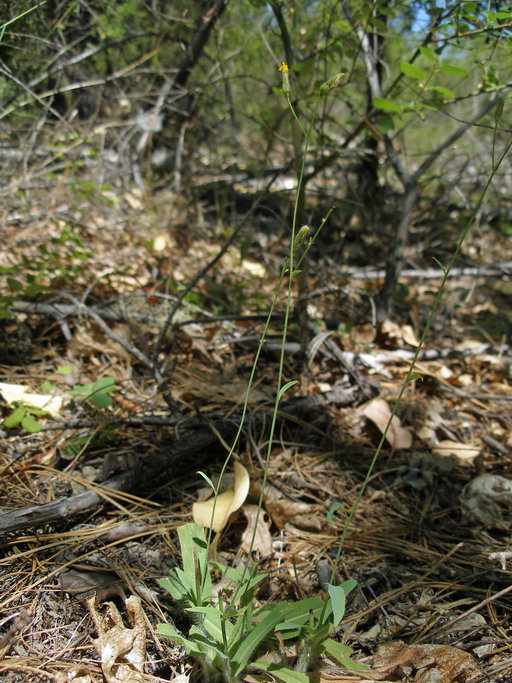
(149, 182)
(187, 98)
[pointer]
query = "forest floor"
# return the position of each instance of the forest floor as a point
(92, 275)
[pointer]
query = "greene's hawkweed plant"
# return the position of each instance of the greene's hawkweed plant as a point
(229, 634)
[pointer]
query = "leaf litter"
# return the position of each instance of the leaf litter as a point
(423, 543)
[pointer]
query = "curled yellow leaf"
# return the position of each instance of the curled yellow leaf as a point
(227, 502)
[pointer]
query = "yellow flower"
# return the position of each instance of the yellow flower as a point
(284, 69)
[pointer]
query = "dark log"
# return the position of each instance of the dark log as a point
(154, 470)
(149, 471)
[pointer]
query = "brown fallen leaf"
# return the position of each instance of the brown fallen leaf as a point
(122, 650)
(463, 453)
(487, 497)
(283, 510)
(262, 539)
(379, 413)
(83, 584)
(424, 663)
(403, 333)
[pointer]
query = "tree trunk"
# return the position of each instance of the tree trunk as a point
(301, 308)
(395, 259)
(368, 190)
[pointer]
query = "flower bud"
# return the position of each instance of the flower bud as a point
(284, 69)
(330, 84)
(301, 236)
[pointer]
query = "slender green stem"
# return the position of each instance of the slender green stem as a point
(306, 133)
(409, 377)
(19, 16)
(287, 269)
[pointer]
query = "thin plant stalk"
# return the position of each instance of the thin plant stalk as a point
(411, 376)
(288, 268)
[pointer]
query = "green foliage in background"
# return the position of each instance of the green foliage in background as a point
(432, 63)
(98, 392)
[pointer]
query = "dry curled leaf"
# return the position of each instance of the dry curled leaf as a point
(379, 413)
(227, 502)
(75, 674)
(262, 538)
(463, 453)
(424, 663)
(122, 650)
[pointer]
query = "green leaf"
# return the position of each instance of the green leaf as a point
(14, 419)
(194, 551)
(298, 616)
(244, 247)
(191, 648)
(334, 507)
(190, 586)
(211, 622)
(207, 643)
(439, 264)
(38, 412)
(452, 70)
(285, 388)
(386, 105)
(412, 71)
(207, 479)
(341, 653)
(100, 394)
(97, 392)
(414, 377)
(14, 285)
(280, 672)
(429, 107)
(30, 424)
(348, 585)
(428, 53)
(255, 636)
(64, 370)
(384, 124)
(337, 595)
(445, 92)
(498, 111)
(179, 589)
(239, 630)
(300, 238)
(244, 588)
(80, 390)
(33, 290)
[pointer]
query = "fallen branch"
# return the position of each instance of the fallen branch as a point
(431, 273)
(153, 470)
(148, 472)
